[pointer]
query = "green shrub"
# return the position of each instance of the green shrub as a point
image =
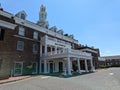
(28, 70)
(103, 66)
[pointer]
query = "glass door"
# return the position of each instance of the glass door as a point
(51, 67)
(18, 68)
(34, 68)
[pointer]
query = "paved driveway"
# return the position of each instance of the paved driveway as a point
(108, 79)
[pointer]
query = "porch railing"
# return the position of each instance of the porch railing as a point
(63, 51)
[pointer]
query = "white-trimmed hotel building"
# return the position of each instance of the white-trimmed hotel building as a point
(48, 50)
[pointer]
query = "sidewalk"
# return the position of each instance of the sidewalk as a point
(12, 79)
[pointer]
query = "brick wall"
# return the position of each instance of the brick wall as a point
(8, 49)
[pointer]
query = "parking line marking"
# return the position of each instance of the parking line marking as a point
(45, 77)
(111, 73)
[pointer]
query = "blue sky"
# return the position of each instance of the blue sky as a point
(93, 22)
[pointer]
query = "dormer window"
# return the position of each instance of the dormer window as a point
(21, 15)
(54, 28)
(71, 36)
(60, 32)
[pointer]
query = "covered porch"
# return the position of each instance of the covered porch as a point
(66, 64)
(58, 56)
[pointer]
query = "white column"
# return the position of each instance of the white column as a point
(48, 67)
(78, 61)
(69, 66)
(51, 50)
(45, 50)
(55, 49)
(64, 65)
(45, 62)
(53, 67)
(59, 50)
(41, 50)
(63, 50)
(45, 66)
(40, 58)
(86, 66)
(92, 67)
(64, 69)
(56, 67)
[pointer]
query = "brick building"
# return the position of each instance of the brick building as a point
(112, 61)
(94, 52)
(34, 48)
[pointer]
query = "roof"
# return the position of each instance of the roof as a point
(112, 57)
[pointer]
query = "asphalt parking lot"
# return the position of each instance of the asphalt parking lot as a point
(105, 79)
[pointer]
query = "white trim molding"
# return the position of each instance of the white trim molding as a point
(7, 25)
(37, 27)
(43, 30)
(90, 50)
(6, 14)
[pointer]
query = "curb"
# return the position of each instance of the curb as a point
(14, 80)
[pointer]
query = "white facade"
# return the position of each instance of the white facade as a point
(61, 51)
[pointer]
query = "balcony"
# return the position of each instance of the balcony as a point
(52, 39)
(66, 52)
(78, 52)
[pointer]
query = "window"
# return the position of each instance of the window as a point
(35, 48)
(35, 35)
(18, 68)
(73, 46)
(0, 63)
(21, 31)
(34, 67)
(23, 16)
(20, 45)
(2, 32)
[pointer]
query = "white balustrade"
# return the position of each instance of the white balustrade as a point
(72, 51)
(68, 43)
(64, 50)
(80, 52)
(42, 38)
(60, 41)
(52, 39)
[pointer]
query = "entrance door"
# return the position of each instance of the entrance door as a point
(18, 68)
(51, 67)
(34, 69)
(42, 67)
(60, 66)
